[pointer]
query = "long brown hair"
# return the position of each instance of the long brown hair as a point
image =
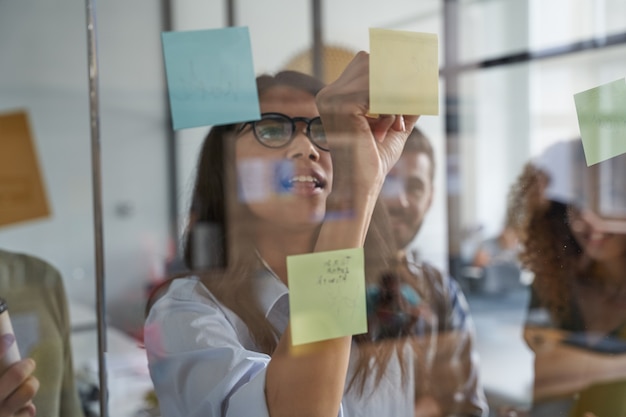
(549, 248)
(214, 202)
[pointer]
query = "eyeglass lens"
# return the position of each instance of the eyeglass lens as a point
(276, 130)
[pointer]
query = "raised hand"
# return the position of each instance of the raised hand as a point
(377, 141)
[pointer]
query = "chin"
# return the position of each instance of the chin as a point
(317, 218)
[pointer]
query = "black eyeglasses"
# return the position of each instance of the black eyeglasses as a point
(276, 130)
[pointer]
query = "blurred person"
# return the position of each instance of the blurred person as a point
(409, 189)
(576, 323)
(34, 292)
(453, 385)
(497, 257)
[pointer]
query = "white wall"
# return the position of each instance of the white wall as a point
(44, 70)
(494, 119)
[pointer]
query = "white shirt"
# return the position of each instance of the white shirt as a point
(204, 363)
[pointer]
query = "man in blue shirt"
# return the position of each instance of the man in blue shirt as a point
(452, 387)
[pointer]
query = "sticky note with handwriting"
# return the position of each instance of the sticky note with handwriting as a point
(326, 295)
(22, 192)
(404, 72)
(602, 120)
(210, 77)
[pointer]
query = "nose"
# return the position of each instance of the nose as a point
(302, 147)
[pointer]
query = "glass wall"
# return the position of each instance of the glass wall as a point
(508, 74)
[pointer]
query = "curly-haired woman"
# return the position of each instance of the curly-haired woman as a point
(576, 322)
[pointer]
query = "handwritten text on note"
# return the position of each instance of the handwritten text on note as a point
(326, 295)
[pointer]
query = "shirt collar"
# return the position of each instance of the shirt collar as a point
(269, 288)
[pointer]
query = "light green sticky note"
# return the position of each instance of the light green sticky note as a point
(602, 121)
(326, 295)
(404, 72)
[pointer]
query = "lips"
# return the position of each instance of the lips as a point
(306, 180)
(301, 180)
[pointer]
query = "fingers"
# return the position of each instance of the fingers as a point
(410, 120)
(19, 402)
(398, 124)
(28, 410)
(381, 125)
(349, 95)
(14, 376)
(17, 388)
(357, 71)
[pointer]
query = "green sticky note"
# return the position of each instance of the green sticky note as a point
(602, 121)
(404, 72)
(326, 295)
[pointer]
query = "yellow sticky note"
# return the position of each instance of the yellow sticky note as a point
(404, 72)
(602, 120)
(22, 193)
(326, 295)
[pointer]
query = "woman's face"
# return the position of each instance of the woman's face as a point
(599, 245)
(288, 186)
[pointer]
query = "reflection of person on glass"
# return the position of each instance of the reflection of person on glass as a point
(219, 344)
(440, 306)
(576, 323)
(34, 292)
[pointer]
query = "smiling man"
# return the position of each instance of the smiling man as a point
(451, 386)
(409, 188)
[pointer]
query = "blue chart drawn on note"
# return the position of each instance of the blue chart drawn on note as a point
(210, 77)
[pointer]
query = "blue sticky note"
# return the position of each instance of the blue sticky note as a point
(210, 77)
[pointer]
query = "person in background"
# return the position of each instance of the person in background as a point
(497, 257)
(453, 387)
(576, 321)
(34, 292)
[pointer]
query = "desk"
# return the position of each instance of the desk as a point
(127, 365)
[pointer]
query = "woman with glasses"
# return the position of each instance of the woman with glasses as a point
(219, 343)
(576, 322)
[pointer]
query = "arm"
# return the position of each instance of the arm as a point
(197, 358)
(309, 381)
(562, 370)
